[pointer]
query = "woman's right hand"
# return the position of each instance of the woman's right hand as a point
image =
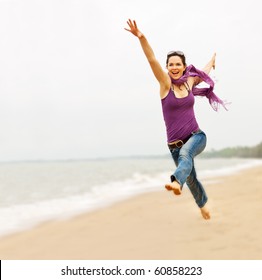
(133, 28)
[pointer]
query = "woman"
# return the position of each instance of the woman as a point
(177, 90)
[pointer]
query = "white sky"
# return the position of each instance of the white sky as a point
(74, 84)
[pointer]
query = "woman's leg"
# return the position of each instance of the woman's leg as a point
(196, 189)
(174, 185)
(184, 157)
(185, 171)
(198, 193)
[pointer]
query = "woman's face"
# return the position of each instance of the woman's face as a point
(175, 67)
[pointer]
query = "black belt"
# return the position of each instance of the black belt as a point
(180, 143)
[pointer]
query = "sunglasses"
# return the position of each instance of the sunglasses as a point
(175, 53)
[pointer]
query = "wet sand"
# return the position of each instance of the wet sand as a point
(156, 225)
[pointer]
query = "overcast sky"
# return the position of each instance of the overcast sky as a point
(74, 84)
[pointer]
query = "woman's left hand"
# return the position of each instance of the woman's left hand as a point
(214, 61)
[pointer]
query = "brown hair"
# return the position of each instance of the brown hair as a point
(176, 53)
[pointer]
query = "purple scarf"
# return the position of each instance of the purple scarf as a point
(191, 71)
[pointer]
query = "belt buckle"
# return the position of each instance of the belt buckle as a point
(179, 143)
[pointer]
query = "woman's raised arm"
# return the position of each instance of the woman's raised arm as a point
(211, 64)
(158, 71)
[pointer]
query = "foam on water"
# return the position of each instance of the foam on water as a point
(20, 216)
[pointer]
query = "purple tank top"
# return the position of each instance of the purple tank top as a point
(179, 116)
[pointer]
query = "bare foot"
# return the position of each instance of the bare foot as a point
(174, 186)
(205, 213)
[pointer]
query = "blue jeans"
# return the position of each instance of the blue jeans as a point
(185, 171)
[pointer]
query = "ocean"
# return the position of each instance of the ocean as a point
(35, 192)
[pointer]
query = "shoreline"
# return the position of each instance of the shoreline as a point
(25, 216)
(156, 225)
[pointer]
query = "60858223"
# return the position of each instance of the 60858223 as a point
(178, 270)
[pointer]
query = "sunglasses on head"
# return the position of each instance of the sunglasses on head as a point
(175, 53)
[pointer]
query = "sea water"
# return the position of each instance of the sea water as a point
(34, 192)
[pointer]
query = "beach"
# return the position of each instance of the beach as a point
(155, 226)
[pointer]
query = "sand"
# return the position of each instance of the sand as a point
(155, 226)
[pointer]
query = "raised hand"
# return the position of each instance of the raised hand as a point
(133, 28)
(214, 61)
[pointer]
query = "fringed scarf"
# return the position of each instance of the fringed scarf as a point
(191, 71)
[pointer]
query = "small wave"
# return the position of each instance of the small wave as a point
(23, 216)
(228, 170)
